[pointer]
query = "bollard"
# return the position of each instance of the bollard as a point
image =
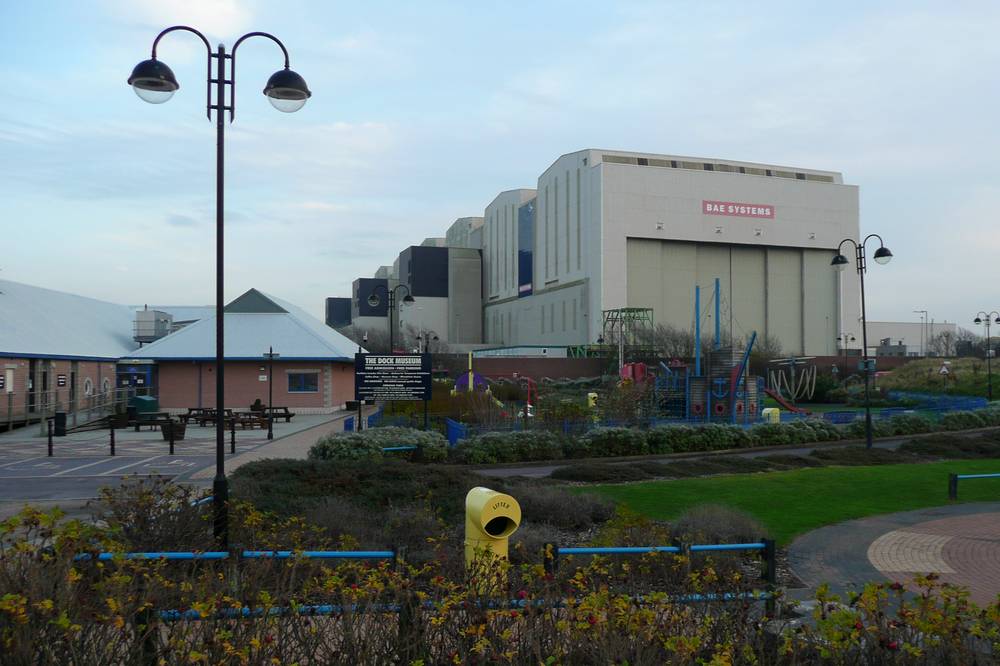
(232, 435)
(770, 574)
(490, 519)
(50, 439)
(112, 439)
(170, 427)
(953, 486)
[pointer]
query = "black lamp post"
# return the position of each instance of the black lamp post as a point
(270, 356)
(374, 300)
(882, 256)
(843, 340)
(155, 83)
(984, 318)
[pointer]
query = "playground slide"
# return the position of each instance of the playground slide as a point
(784, 403)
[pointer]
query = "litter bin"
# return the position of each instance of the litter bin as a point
(144, 404)
(771, 415)
(59, 427)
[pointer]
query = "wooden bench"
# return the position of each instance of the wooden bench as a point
(151, 419)
(279, 413)
(194, 414)
(209, 415)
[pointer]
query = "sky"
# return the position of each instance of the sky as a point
(422, 112)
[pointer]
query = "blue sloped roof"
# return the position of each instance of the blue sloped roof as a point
(292, 332)
(53, 324)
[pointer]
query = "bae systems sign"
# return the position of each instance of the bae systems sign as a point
(737, 209)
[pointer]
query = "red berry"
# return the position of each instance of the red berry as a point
(592, 620)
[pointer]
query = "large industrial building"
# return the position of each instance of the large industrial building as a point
(605, 229)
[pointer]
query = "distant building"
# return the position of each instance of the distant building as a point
(314, 374)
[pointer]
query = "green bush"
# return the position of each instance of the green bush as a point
(910, 424)
(962, 421)
(601, 442)
(880, 428)
(503, 447)
(990, 416)
(368, 445)
(669, 439)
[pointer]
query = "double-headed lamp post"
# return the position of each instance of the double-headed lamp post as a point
(985, 318)
(270, 356)
(155, 83)
(374, 300)
(882, 256)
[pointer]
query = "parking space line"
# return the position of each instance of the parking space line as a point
(118, 469)
(73, 469)
(18, 462)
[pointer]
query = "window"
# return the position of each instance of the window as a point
(800, 176)
(303, 382)
(642, 161)
(709, 167)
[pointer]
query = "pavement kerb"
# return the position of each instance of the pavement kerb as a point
(687, 455)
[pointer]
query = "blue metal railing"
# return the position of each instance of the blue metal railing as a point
(953, 480)
(245, 554)
(390, 449)
(174, 615)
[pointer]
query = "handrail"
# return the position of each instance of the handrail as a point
(331, 609)
(618, 550)
(953, 480)
(245, 554)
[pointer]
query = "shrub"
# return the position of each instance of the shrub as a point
(601, 442)
(600, 473)
(772, 434)
(712, 523)
(555, 506)
(962, 421)
(669, 439)
(368, 444)
(857, 455)
(910, 424)
(990, 416)
(880, 428)
(502, 447)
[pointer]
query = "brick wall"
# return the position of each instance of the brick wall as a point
(179, 384)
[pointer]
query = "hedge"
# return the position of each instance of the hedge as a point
(501, 447)
(368, 444)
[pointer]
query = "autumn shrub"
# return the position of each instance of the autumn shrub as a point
(368, 444)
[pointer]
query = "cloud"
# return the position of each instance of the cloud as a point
(182, 221)
(215, 18)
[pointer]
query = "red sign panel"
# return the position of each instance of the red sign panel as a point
(738, 209)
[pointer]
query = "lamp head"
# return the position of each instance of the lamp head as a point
(883, 255)
(287, 91)
(977, 320)
(600, 339)
(408, 300)
(153, 81)
(839, 262)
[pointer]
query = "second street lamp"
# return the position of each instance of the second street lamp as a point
(374, 300)
(155, 83)
(882, 256)
(984, 318)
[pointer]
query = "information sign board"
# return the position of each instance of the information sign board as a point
(392, 377)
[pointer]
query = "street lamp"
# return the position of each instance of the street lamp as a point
(882, 256)
(923, 330)
(427, 341)
(155, 83)
(984, 318)
(374, 300)
(843, 340)
(270, 356)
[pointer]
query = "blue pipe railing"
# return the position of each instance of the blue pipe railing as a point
(174, 615)
(618, 550)
(388, 449)
(953, 480)
(246, 554)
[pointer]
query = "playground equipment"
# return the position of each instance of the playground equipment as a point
(490, 519)
(786, 384)
(725, 393)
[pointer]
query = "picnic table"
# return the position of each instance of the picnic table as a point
(252, 419)
(205, 415)
(152, 419)
(279, 413)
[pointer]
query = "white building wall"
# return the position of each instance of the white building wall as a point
(500, 244)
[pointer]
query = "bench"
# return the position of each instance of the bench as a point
(209, 416)
(195, 414)
(151, 419)
(279, 412)
(250, 420)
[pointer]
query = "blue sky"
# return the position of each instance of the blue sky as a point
(422, 112)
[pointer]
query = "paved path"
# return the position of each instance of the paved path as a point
(959, 542)
(82, 463)
(295, 446)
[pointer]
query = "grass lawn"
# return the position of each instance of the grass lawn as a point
(795, 502)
